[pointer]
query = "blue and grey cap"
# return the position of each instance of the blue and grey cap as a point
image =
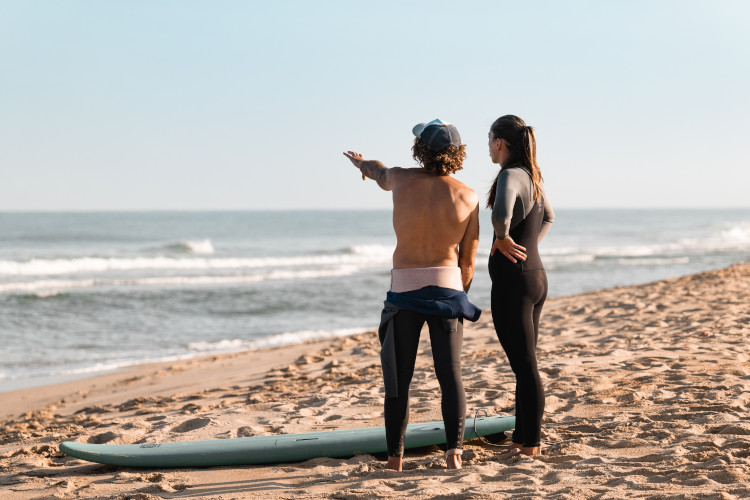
(437, 134)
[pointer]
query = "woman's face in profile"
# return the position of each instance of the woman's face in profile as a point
(498, 149)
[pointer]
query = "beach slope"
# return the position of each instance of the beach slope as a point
(647, 393)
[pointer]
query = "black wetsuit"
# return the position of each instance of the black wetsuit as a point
(405, 313)
(446, 353)
(518, 294)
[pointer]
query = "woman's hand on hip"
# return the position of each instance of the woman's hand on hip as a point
(509, 248)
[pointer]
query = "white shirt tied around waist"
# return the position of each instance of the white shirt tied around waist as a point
(414, 278)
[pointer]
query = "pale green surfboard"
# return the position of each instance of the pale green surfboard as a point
(274, 449)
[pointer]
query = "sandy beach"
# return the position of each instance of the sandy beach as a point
(647, 394)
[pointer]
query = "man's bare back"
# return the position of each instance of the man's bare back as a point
(436, 218)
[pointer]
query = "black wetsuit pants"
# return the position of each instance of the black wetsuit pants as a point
(516, 301)
(446, 354)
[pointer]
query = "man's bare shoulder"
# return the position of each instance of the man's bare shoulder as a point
(403, 176)
(407, 171)
(467, 195)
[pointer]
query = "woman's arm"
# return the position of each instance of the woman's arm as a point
(549, 218)
(502, 209)
(502, 215)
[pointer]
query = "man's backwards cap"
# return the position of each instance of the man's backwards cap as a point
(437, 135)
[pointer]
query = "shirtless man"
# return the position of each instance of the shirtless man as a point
(436, 220)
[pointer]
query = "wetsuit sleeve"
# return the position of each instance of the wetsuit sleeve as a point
(549, 218)
(505, 201)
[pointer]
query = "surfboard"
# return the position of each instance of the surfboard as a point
(274, 449)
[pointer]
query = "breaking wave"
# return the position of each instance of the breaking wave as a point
(51, 287)
(198, 247)
(47, 267)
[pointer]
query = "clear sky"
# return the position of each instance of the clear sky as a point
(248, 105)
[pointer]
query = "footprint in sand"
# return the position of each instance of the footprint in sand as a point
(249, 431)
(191, 425)
(105, 437)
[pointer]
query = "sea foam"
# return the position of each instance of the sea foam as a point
(273, 340)
(47, 267)
(737, 234)
(50, 287)
(654, 261)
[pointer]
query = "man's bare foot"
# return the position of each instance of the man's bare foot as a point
(453, 458)
(531, 450)
(394, 463)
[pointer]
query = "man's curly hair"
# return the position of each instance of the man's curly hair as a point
(444, 162)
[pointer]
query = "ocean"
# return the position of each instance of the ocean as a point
(84, 293)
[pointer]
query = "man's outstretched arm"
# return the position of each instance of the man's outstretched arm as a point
(372, 169)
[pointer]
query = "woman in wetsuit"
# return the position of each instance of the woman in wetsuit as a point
(521, 215)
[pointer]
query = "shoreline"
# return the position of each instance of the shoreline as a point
(145, 374)
(268, 342)
(647, 394)
(19, 385)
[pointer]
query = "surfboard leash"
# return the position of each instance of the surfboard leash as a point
(481, 438)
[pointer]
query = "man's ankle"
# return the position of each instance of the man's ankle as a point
(453, 458)
(531, 450)
(394, 463)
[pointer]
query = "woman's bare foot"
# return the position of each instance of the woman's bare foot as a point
(531, 450)
(394, 463)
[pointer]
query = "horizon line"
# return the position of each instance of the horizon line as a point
(320, 209)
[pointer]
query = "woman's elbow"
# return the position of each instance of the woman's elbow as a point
(549, 216)
(500, 226)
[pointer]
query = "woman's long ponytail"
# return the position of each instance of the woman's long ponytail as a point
(528, 141)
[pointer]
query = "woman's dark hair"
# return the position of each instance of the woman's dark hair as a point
(444, 162)
(521, 143)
